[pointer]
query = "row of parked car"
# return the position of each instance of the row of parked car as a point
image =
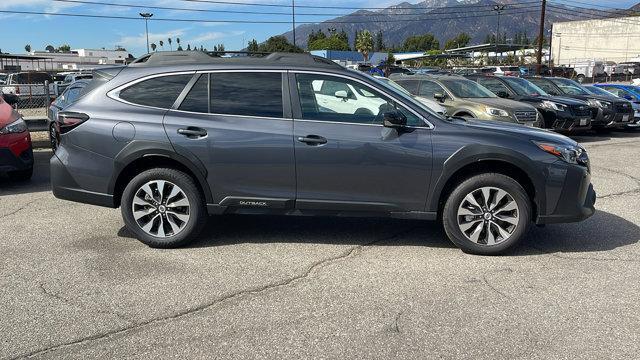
(548, 102)
(38, 84)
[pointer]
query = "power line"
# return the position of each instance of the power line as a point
(343, 7)
(433, 12)
(591, 15)
(248, 21)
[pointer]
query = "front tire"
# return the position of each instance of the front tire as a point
(163, 208)
(487, 214)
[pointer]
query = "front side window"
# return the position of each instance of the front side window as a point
(160, 92)
(570, 87)
(429, 88)
(496, 86)
(351, 102)
(248, 94)
(547, 86)
(524, 87)
(467, 89)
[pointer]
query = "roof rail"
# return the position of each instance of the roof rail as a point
(164, 58)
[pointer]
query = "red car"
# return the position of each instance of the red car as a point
(16, 151)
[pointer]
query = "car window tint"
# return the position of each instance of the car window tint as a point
(72, 95)
(198, 98)
(330, 88)
(494, 85)
(366, 107)
(249, 94)
(546, 86)
(615, 91)
(410, 85)
(430, 88)
(159, 92)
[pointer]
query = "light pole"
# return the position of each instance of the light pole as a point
(498, 9)
(146, 17)
(293, 20)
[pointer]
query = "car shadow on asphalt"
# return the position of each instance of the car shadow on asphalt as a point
(602, 232)
(589, 136)
(39, 182)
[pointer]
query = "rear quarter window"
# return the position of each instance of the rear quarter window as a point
(160, 92)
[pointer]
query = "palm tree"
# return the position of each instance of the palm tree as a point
(178, 41)
(171, 47)
(364, 43)
(162, 44)
(27, 48)
(153, 46)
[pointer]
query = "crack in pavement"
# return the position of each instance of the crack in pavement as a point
(21, 207)
(354, 250)
(486, 282)
(396, 321)
(70, 302)
(561, 256)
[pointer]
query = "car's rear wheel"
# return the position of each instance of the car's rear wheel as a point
(163, 208)
(487, 214)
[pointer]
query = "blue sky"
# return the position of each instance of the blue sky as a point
(39, 30)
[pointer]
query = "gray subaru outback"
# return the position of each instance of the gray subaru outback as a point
(177, 136)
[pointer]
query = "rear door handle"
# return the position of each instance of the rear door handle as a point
(312, 140)
(193, 132)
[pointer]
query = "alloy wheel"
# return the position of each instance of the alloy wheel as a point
(488, 216)
(161, 208)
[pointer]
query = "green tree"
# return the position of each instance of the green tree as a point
(420, 43)
(180, 48)
(188, 47)
(64, 48)
(279, 44)
(153, 47)
(169, 41)
(161, 44)
(253, 47)
(344, 37)
(313, 36)
(27, 48)
(333, 42)
(379, 46)
(364, 43)
(461, 40)
(50, 48)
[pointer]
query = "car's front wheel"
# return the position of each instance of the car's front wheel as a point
(163, 207)
(487, 214)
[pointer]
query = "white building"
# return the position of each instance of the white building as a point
(614, 39)
(77, 59)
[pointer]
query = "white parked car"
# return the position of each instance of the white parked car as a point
(611, 68)
(588, 69)
(341, 97)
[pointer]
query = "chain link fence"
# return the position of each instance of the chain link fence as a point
(33, 99)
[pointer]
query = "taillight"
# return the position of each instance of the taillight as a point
(68, 120)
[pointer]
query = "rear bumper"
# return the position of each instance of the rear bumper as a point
(65, 187)
(576, 201)
(10, 162)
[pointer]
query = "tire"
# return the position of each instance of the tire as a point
(22, 175)
(180, 223)
(461, 228)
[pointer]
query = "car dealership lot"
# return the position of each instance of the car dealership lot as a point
(75, 284)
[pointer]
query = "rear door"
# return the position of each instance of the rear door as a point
(347, 160)
(238, 124)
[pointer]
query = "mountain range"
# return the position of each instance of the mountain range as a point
(444, 19)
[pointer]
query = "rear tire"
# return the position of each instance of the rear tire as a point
(164, 208)
(487, 224)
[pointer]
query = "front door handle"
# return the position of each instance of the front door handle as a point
(312, 140)
(193, 132)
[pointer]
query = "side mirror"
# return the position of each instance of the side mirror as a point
(628, 97)
(10, 99)
(342, 94)
(394, 119)
(502, 94)
(439, 96)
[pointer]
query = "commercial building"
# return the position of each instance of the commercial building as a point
(611, 39)
(76, 59)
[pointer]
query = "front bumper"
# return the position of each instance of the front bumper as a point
(575, 201)
(9, 162)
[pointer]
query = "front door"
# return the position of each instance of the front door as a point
(239, 126)
(347, 160)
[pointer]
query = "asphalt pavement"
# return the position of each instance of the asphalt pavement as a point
(75, 284)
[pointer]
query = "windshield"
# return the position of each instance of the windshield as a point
(597, 91)
(524, 87)
(570, 87)
(467, 89)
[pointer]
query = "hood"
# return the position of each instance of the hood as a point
(501, 103)
(531, 133)
(562, 100)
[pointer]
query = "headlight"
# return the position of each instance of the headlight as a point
(15, 127)
(496, 112)
(553, 105)
(568, 153)
(599, 103)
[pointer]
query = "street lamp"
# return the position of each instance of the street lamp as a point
(146, 17)
(498, 9)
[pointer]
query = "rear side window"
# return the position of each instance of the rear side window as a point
(410, 85)
(159, 92)
(248, 94)
(198, 98)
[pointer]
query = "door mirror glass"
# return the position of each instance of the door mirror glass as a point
(394, 119)
(341, 94)
(502, 94)
(439, 96)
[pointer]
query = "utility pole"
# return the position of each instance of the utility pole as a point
(293, 20)
(146, 17)
(498, 9)
(551, 48)
(541, 37)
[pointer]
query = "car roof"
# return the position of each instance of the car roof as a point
(427, 76)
